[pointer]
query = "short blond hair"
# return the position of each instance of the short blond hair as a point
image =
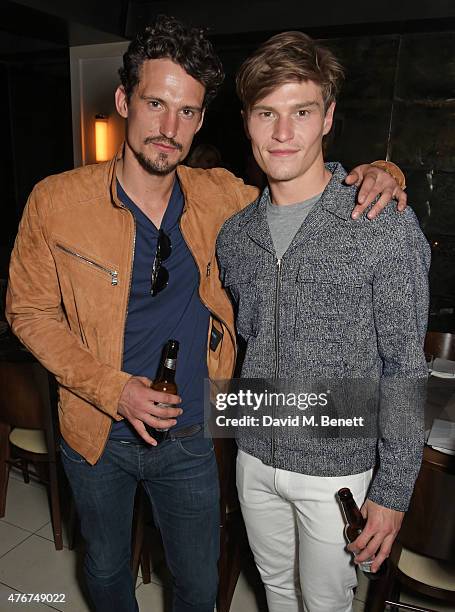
(288, 57)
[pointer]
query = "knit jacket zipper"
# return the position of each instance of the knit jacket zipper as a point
(277, 338)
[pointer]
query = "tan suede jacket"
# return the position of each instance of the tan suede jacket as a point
(70, 279)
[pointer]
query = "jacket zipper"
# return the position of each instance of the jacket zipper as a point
(277, 338)
(208, 269)
(129, 284)
(112, 273)
(277, 316)
(195, 262)
(126, 311)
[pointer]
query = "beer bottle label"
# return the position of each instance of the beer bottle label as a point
(170, 364)
(365, 566)
(164, 405)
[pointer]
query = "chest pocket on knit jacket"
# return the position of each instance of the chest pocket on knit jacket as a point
(242, 285)
(327, 297)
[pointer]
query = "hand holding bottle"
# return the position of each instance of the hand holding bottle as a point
(381, 528)
(141, 405)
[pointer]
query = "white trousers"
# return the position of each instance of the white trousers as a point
(295, 530)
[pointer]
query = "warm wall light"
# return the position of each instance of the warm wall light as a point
(101, 124)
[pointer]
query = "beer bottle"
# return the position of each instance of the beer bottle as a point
(165, 378)
(354, 524)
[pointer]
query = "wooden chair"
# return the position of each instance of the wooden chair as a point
(28, 433)
(423, 556)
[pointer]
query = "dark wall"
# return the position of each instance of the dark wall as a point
(398, 101)
(260, 15)
(423, 141)
(9, 214)
(36, 132)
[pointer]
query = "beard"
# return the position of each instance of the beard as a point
(160, 165)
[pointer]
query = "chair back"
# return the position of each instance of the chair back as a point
(25, 399)
(440, 344)
(429, 525)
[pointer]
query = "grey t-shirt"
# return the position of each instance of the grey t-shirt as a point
(285, 221)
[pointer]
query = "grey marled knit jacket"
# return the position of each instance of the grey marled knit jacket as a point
(349, 299)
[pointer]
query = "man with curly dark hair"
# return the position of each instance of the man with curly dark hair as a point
(111, 261)
(188, 48)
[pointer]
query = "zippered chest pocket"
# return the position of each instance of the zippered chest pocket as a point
(75, 255)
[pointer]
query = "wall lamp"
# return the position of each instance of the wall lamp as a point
(101, 142)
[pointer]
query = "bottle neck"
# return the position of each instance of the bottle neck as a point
(352, 514)
(166, 373)
(168, 363)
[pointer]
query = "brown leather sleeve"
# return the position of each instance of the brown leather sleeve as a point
(35, 313)
(247, 194)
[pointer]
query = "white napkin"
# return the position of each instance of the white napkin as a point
(442, 436)
(443, 368)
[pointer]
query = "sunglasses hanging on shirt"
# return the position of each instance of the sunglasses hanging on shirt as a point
(160, 275)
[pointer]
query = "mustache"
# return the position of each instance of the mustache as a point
(163, 140)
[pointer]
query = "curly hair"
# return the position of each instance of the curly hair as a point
(288, 57)
(188, 47)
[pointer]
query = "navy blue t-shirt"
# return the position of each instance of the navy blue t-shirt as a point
(175, 312)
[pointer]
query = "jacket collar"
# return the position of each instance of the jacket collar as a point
(112, 177)
(257, 226)
(196, 189)
(186, 176)
(337, 199)
(111, 170)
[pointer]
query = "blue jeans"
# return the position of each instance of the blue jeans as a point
(181, 479)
